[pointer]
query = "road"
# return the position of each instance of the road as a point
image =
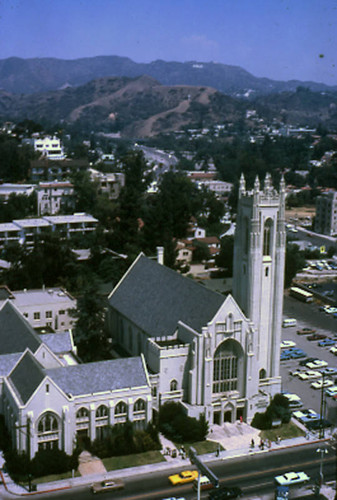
(254, 474)
(308, 315)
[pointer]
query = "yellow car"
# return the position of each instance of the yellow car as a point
(186, 476)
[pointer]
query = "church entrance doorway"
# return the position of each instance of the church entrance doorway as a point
(217, 417)
(239, 414)
(227, 416)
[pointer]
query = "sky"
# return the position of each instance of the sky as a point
(277, 39)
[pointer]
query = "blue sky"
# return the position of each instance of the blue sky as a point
(278, 39)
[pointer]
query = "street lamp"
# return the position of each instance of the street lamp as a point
(322, 451)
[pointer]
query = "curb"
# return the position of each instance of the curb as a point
(167, 465)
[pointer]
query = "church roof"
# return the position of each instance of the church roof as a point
(60, 342)
(26, 377)
(156, 298)
(16, 334)
(100, 376)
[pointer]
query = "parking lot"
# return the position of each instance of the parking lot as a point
(309, 316)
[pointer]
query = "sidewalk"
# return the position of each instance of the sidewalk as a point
(327, 491)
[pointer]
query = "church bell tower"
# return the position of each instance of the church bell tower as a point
(258, 275)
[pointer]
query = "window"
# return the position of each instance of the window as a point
(267, 271)
(173, 385)
(227, 369)
(47, 387)
(267, 235)
(139, 414)
(121, 413)
(36, 315)
(48, 432)
(25, 315)
(49, 314)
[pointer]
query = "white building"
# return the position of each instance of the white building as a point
(54, 196)
(6, 189)
(202, 348)
(50, 147)
(108, 183)
(326, 214)
(45, 307)
(48, 405)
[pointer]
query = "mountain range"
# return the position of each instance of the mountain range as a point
(143, 106)
(28, 76)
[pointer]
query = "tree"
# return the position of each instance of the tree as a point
(90, 333)
(294, 261)
(225, 257)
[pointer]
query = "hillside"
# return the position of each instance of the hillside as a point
(136, 107)
(29, 76)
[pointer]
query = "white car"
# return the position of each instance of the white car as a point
(318, 363)
(318, 384)
(287, 343)
(331, 391)
(334, 350)
(292, 478)
(309, 375)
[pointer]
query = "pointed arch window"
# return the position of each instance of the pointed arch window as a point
(173, 385)
(267, 237)
(48, 432)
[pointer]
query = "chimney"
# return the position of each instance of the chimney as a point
(160, 255)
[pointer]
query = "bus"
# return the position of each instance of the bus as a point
(301, 294)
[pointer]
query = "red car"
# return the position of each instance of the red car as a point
(305, 331)
(316, 336)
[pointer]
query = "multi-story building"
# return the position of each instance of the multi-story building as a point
(56, 170)
(26, 230)
(46, 307)
(50, 147)
(7, 189)
(108, 183)
(54, 196)
(326, 214)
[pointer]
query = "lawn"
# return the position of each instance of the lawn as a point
(285, 431)
(125, 461)
(55, 477)
(201, 447)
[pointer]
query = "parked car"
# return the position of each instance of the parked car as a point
(299, 353)
(331, 391)
(287, 343)
(318, 363)
(326, 342)
(306, 415)
(306, 331)
(186, 476)
(225, 493)
(295, 372)
(318, 384)
(310, 374)
(307, 360)
(329, 371)
(334, 350)
(107, 485)
(316, 336)
(291, 478)
(284, 356)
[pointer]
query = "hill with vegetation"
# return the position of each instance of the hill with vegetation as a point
(28, 76)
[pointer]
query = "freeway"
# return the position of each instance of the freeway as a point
(253, 473)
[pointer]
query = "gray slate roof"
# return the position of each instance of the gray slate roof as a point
(16, 334)
(155, 298)
(7, 363)
(26, 377)
(57, 342)
(100, 376)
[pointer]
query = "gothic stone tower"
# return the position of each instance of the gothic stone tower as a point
(258, 276)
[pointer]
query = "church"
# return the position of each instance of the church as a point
(217, 355)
